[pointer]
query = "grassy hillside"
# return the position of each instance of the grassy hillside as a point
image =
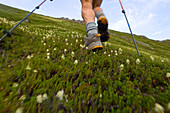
(44, 68)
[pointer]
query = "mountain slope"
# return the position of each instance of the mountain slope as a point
(45, 57)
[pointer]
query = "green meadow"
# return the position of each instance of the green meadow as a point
(44, 68)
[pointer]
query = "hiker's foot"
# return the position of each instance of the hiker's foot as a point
(103, 29)
(93, 42)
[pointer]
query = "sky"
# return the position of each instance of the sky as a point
(150, 18)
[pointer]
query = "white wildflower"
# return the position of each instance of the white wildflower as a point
(77, 40)
(76, 62)
(60, 94)
(44, 38)
(120, 50)
(94, 52)
(44, 44)
(55, 49)
(162, 61)
(121, 67)
(63, 57)
(82, 46)
(48, 57)
(42, 41)
(45, 96)
(28, 67)
(86, 62)
(87, 48)
(109, 55)
(54, 41)
(66, 39)
(35, 71)
(39, 98)
(100, 95)
(151, 57)
(28, 57)
(65, 50)
(168, 75)
(15, 85)
(104, 52)
(138, 61)
(116, 52)
(159, 108)
(23, 97)
(48, 54)
(67, 44)
(47, 50)
(19, 110)
(111, 51)
(128, 61)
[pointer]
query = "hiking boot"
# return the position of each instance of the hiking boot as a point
(103, 29)
(93, 42)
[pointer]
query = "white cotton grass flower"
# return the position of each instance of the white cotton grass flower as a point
(76, 62)
(55, 49)
(120, 50)
(159, 108)
(22, 98)
(137, 61)
(100, 95)
(15, 85)
(48, 54)
(66, 39)
(28, 67)
(48, 57)
(60, 94)
(87, 48)
(77, 40)
(121, 67)
(152, 58)
(28, 57)
(45, 97)
(82, 46)
(35, 71)
(19, 110)
(128, 61)
(39, 98)
(116, 52)
(65, 50)
(63, 57)
(168, 75)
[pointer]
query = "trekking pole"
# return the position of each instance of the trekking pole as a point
(9, 32)
(123, 11)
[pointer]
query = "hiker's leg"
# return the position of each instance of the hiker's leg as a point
(97, 9)
(101, 20)
(88, 15)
